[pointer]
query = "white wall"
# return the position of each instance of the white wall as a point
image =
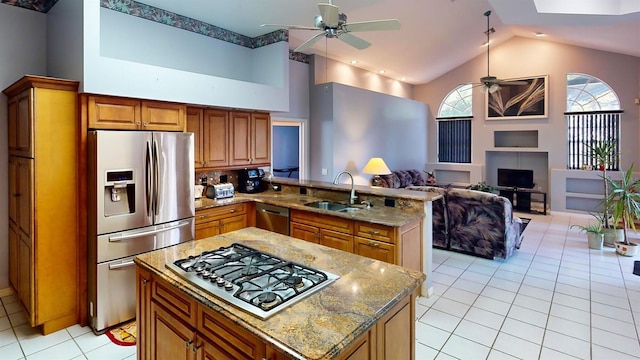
(22, 51)
(524, 57)
(351, 125)
(162, 70)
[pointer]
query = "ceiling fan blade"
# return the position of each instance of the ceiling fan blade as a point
(309, 42)
(372, 25)
(329, 13)
(354, 41)
(290, 27)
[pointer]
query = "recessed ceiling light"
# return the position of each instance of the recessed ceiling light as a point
(403, 78)
(354, 61)
(486, 43)
(381, 71)
(539, 34)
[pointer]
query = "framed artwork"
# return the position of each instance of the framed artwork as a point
(523, 98)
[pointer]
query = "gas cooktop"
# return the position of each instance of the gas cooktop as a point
(251, 280)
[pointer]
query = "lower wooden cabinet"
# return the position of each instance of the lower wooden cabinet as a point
(173, 326)
(396, 245)
(220, 220)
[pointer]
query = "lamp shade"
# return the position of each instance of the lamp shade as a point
(376, 166)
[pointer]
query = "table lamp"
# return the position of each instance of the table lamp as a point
(376, 167)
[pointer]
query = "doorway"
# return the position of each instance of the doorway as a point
(288, 148)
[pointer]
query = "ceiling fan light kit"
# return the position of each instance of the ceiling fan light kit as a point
(333, 24)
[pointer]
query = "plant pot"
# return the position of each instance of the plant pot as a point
(595, 241)
(627, 250)
(611, 236)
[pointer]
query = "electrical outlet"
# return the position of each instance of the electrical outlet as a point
(390, 202)
(324, 171)
(303, 191)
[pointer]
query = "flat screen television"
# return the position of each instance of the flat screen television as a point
(515, 178)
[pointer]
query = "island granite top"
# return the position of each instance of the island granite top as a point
(321, 325)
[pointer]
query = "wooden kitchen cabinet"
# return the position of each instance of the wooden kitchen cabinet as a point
(250, 139)
(396, 245)
(180, 328)
(219, 220)
(44, 176)
(115, 113)
(210, 128)
(321, 229)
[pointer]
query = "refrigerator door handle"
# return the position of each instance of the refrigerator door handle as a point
(148, 172)
(132, 235)
(121, 265)
(156, 173)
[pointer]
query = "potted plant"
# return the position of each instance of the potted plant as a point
(624, 203)
(481, 186)
(602, 154)
(595, 235)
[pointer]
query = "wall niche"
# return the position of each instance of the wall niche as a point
(515, 138)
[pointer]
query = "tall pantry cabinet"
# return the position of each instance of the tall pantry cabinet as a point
(43, 203)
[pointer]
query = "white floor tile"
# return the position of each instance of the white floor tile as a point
(484, 317)
(613, 325)
(443, 279)
(550, 354)
(568, 327)
(13, 307)
(111, 351)
(7, 337)
(424, 352)
(428, 301)
(603, 353)
(448, 306)
(539, 282)
(516, 347)
(504, 284)
(4, 323)
(476, 332)
(64, 350)
(571, 301)
(498, 294)
(77, 330)
(18, 318)
(572, 291)
(536, 292)
(619, 343)
(463, 349)
(468, 286)
(482, 269)
(89, 341)
(528, 316)
(459, 295)
(33, 344)
(443, 356)
(572, 314)
(431, 336)
(9, 299)
(489, 304)
(11, 351)
(567, 344)
(499, 355)
(523, 330)
(440, 319)
(612, 312)
(449, 270)
(532, 303)
(475, 277)
(508, 275)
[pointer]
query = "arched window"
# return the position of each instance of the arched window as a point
(454, 126)
(593, 119)
(457, 103)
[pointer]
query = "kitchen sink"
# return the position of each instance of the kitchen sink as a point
(332, 206)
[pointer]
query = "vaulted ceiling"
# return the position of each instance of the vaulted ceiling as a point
(436, 35)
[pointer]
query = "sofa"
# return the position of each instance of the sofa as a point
(474, 222)
(402, 179)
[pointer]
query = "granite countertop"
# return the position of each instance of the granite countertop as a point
(377, 214)
(319, 326)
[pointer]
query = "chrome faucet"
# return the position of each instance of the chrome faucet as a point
(352, 196)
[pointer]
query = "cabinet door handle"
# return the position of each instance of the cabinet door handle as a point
(144, 281)
(146, 123)
(371, 243)
(203, 216)
(196, 347)
(188, 343)
(374, 232)
(138, 123)
(232, 211)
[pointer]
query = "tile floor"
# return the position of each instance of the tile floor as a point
(555, 299)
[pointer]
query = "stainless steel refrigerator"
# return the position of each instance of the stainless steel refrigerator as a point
(140, 198)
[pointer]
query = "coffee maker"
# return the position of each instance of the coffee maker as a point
(249, 181)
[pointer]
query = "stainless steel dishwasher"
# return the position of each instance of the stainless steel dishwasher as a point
(272, 218)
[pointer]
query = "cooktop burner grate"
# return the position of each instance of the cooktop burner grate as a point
(252, 280)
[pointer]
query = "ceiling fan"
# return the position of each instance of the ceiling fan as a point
(492, 83)
(333, 24)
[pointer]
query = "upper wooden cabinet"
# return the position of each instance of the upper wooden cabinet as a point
(225, 139)
(43, 208)
(250, 140)
(210, 129)
(107, 112)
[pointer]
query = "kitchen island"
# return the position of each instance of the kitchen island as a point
(368, 312)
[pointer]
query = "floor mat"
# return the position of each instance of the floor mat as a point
(123, 335)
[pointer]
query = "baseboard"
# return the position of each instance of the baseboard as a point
(6, 292)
